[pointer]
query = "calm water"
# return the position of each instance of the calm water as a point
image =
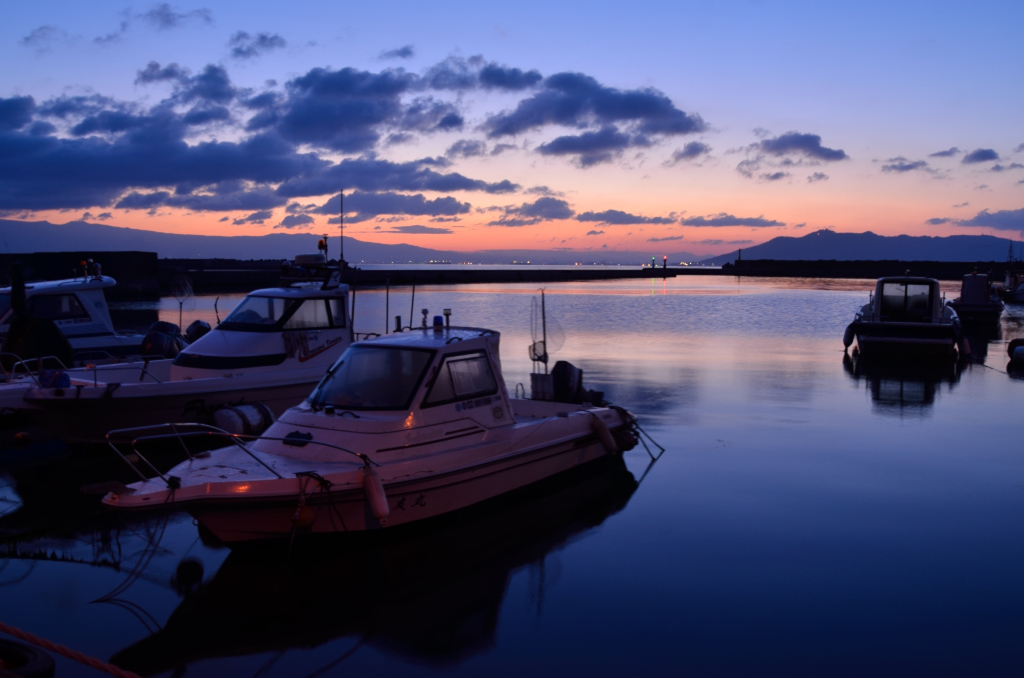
(810, 516)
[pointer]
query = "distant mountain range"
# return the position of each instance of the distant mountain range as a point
(870, 246)
(42, 236)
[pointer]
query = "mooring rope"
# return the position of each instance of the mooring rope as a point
(74, 655)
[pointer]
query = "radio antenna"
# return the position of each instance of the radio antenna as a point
(341, 222)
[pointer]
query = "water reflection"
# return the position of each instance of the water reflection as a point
(899, 389)
(431, 594)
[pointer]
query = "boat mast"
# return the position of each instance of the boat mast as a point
(341, 226)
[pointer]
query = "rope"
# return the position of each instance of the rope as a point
(74, 655)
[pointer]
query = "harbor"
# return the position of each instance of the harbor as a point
(823, 481)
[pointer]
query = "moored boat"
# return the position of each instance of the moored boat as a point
(978, 303)
(402, 428)
(78, 308)
(906, 318)
(269, 352)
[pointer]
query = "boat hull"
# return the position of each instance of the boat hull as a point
(327, 512)
(904, 339)
(88, 419)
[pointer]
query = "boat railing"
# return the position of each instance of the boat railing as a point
(15, 361)
(180, 432)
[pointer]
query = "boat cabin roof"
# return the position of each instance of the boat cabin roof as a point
(908, 280)
(301, 291)
(451, 337)
(64, 286)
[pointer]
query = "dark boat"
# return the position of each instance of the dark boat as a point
(978, 303)
(905, 318)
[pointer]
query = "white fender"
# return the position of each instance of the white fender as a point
(598, 426)
(848, 336)
(375, 495)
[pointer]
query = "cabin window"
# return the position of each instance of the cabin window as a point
(902, 302)
(373, 378)
(311, 313)
(56, 307)
(256, 314)
(338, 311)
(468, 375)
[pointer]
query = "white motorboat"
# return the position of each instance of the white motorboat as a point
(78, 307)
(402, 428)
(906, 318)
(270, 351)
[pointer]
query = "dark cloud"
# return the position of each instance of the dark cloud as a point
(362, 206)
(426, 114)
(935, 221)
(691, 151)
(259, 217)
(817, 176)
(404, 52)
(501, 148)
(576, 100)
(980, 155)
(165, 17)
(513, 79)
(948, 153)
(295, 221)
(370, 174)
(212, 85)
(417, 229)
(246, 46)
(1001, 168)
(206, 115)
(774, 176)
(341, 110)
(595, 233)
(590, 148)
(666, 238)
(16, 112)
(466, 148)
(527, 214)
(795, 143)
(619, 218)
(153, 72)
(900, 165)
(1003, 220)
(142, 201)
(723, 219)
(41, 38)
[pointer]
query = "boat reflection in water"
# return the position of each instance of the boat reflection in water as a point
(898, 389)
(431, 593)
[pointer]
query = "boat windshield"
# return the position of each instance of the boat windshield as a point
(256, 313)
(907, 302)
(373, 378)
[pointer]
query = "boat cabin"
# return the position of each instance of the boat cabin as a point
(423, 377)
(272, 329)
(907, 300)
(79, 309)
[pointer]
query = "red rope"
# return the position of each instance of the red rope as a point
(66, 652)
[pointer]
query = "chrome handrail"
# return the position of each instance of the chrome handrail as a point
(18, 360)
(196, 430)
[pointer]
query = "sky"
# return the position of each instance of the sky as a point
(646, 126)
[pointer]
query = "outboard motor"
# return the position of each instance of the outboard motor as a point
(163, 339)
(568, 382)
(197, 329)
